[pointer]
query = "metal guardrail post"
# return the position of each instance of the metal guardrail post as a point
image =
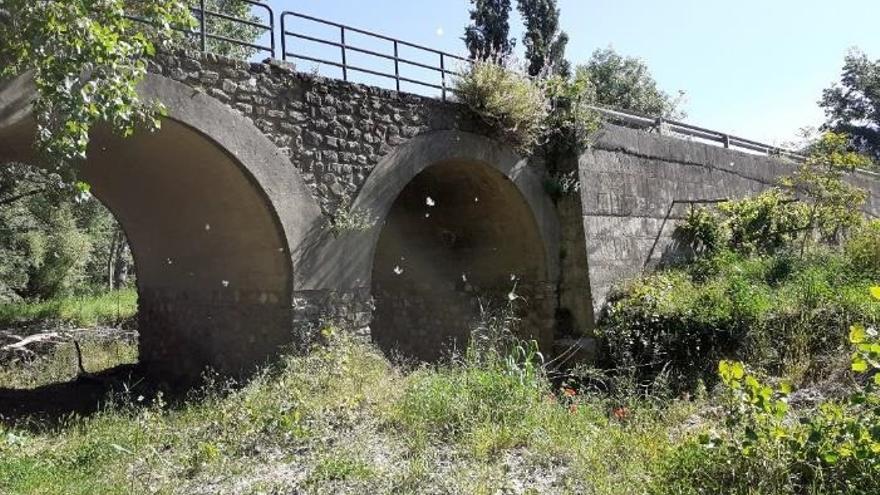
(725, 138)
(272, 30)
(203, 26)
(443, 76)
(342, 47)
(396, 66)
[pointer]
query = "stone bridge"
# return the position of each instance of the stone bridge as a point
(272, 202)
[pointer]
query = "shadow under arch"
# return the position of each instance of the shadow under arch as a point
(462, 248)
(213, 212)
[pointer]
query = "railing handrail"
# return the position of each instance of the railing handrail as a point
(203, 34)
(630, 117)
(345, 47)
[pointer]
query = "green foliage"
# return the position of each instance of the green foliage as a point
(834, 203)
(781, 313)
(766, 448)
(571, 120)
(625, 83)
(487, 35)
(765, 223)
(341, 419)
(55, 241)
(544, 42)
(232, 29)
(816, 203)
(86, 60)
(853, 106)
(702, 231)
(108, 308)
(863, 248)
(508, 101)
(348, 219)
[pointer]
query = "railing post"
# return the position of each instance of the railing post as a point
(396, 67)
(272, 31)
(283, 36)
(203, 28)
(344, 63)
(443, 76)
(725, 138)
(659, 124)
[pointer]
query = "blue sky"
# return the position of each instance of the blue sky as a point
(754, 68)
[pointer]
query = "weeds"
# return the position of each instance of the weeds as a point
(108, 308)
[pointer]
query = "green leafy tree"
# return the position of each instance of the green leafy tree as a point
(487, 36)
(86, 60)
(835, 205)
(545, 43)
(853, 105)
(626, 83)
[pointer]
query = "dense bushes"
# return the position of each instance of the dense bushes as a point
(507, 100)
(778, 312)
(55, 242)
(529, 112)
(765, 446)
(863, 249)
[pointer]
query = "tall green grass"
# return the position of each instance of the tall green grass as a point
(342, 419)
(86, 311)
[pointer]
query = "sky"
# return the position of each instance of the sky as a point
(752, 68)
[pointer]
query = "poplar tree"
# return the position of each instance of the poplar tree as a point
(486, 36)
(545, 43)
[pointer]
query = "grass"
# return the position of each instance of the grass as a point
(344, 420)
(61, 364)
(85, 311)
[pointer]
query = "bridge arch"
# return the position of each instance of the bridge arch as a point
(460, 218)
(214, 213)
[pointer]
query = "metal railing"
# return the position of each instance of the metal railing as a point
(394, 55)
(203, 16)
(441, 68)
(673, 127)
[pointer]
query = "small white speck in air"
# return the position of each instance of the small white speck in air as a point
(169, 261)
(207, 226)
(427, 215)
(398, 270)
(439, 31)
(463, 277)
(429, 201)
(476, 200)
(512, 276)
(225, 283)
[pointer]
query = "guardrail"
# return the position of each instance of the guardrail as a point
(346, 47)
(203, 16)
(441, 68)
(673, 127)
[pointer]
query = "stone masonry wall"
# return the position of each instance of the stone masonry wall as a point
(334, 132)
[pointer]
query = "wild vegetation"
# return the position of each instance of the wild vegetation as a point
(748, 364)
